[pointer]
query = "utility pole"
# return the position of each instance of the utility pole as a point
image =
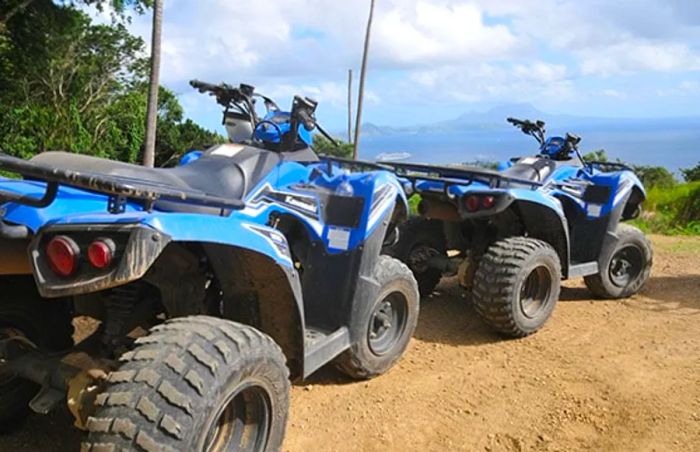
(363, 71)
(349, 105)
(154, 84)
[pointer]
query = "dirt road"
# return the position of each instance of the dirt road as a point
(602, 375)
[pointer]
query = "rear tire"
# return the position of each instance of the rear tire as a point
(46, 323)
(626, 268)
(517, 285)
(385, 325)
(195, 383)
(419, 239)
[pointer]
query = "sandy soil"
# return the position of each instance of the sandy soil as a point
(602, 375)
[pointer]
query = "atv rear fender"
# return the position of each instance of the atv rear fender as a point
(251, 263)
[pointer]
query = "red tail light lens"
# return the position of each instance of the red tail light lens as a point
(472, 203)
(62, 254)
(100, 253)
(487, 202)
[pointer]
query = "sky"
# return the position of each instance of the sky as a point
(434, 60)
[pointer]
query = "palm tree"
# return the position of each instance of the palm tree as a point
(152, 114)
(363, 71)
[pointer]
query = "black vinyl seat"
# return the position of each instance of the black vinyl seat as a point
(536, 169)
(229, 177)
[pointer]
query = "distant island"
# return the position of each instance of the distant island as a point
(486, 136)
(495, 119)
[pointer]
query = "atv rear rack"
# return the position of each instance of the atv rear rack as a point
(456, 175)
(118, 188)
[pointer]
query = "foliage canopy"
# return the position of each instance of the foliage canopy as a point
(76, 86)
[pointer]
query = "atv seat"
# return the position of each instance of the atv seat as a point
(532, 168)
(230, 177)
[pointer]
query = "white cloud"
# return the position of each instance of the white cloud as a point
(423, 34)
(613, 93)
(439, 51)
(683, 89)
(522, 82)
(631, 56)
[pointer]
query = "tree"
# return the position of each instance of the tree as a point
(654, 176)
(691, 174)
(596, 156)
(81, 87)
(67, 85)
(153, 85)
(175, 136)
(323, 145)
(361, 88)
(11, 8)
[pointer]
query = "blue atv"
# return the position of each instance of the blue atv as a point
(512, 235)
(214, 282)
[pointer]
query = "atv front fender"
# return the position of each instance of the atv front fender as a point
(544, 219)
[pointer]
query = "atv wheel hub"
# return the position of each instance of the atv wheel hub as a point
(242, 422)
(534, 292)
(625, 266)
(387, 323)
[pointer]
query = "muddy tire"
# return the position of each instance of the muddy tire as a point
(195, 383)
(419, 239)
(626, 267)
(46, 323)
(517, 285)
(385, 325)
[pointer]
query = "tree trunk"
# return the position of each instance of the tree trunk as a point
(349, 105)
(152, 114)
(5, 16)
(363, 72)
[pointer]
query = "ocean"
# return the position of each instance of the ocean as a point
(673, 147)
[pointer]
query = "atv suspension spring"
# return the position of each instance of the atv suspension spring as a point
(120, 307)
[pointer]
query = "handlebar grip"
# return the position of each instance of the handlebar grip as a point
(306, 119)
(202, 86)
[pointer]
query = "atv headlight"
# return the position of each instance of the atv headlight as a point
(345, 189)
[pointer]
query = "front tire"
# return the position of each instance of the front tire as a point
(517, 285)
(626, 268)
(195, 383)
(419, 240)
(385, 325)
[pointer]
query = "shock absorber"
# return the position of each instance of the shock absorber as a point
(122, 314)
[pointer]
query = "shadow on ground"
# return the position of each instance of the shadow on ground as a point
(447, 317)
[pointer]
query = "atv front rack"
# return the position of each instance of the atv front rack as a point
(118, 188)
(359, 165)
(609, 167)
(456, 175)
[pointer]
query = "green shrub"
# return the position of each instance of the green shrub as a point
(674, 210)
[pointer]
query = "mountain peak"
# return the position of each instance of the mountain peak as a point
(499, 113)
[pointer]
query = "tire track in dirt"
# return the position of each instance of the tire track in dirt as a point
(602, 375)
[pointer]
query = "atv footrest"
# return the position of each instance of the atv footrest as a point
(323, 346)
(584, 269)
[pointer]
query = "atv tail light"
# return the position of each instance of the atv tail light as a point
(62, 254)
(100, 253)
(472, 203)
(487, 202)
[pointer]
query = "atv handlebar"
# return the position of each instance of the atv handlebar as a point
(536, 129)
(304, 108)
(203, 87)
(226, 94)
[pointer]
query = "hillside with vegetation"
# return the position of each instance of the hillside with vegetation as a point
(74, 85)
